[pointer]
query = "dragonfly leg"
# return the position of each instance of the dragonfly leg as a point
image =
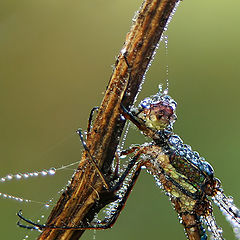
(128, 115)
(118, 156)
(109, 221)
(92, 159)
(90, 119)
(121, 203)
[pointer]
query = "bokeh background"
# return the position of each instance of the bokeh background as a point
(55, 63)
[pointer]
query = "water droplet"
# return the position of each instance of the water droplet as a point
(175, 140)
(123, 51)
(122, 117)
(25, 175)
(51, 171)
(207, 168)
(196, 154)
(9, 177)
(213, 227)
(18, 176)
(44, 172)
(229, 210)
(165, 91)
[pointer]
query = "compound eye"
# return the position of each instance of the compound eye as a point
(169, 112)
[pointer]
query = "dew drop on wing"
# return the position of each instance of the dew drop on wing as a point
(194, 160)
(196, 154)
(229, 210)
(236, 230)
(206, 167)
(181, 153)
(216, 232)
(188, 147)
(175, 140)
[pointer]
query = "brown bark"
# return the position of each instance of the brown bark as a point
(77, 202)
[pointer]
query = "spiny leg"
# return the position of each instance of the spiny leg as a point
(90, 119)
(129, 167)
(79, 132)
(111, 220)
(118, 156)
(107, 222)
(126, 152)
(124, 54)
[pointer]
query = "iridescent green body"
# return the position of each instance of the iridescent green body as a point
(188, 173)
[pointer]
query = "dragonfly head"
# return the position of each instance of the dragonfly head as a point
(156, 112)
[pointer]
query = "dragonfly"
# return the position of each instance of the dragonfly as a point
(185, 177)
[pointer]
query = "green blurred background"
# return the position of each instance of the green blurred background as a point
(55, 63)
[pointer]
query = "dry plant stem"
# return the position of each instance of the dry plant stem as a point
(77, 202)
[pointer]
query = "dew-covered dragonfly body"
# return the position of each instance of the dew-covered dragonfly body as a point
(184, 176)
(185, 195)
(185, 183)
